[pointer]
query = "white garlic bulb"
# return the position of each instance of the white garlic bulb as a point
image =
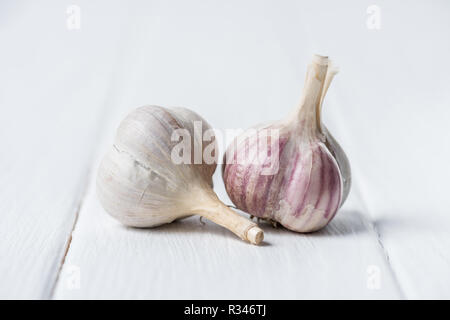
(141, 183)
(311, 179)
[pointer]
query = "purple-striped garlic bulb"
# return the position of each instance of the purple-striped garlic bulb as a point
(149, 177)
(291, 171)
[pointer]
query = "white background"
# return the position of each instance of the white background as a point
(63, 92)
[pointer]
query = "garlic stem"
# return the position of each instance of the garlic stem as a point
(331, 72)
(308, 112)
(215, 210)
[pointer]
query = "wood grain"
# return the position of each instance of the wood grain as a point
(63, 93)
(53, 88)
(191, 260)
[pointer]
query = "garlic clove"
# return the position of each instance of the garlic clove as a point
(331, 143)
(312, 177)
(141, 182)
(342, 161)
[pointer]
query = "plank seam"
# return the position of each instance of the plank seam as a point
(100, 132)
(83, 191)
(358, 186)
(380, 242)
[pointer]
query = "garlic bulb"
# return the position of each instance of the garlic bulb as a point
(143, 181)
(302, 176)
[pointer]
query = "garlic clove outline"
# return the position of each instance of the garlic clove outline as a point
(313, 174)
(140, 184)
(331, 143)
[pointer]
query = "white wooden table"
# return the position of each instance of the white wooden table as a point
(64, 90)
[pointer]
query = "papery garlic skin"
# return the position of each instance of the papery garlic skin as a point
(303, 196)
(341, 158)
(331, 143)
(308, 187)
(143, 183)
(139, 183)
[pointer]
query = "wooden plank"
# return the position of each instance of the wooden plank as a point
(53, 84)
(393, 127)
(394, 108)
(188, 260)
(175, 60)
